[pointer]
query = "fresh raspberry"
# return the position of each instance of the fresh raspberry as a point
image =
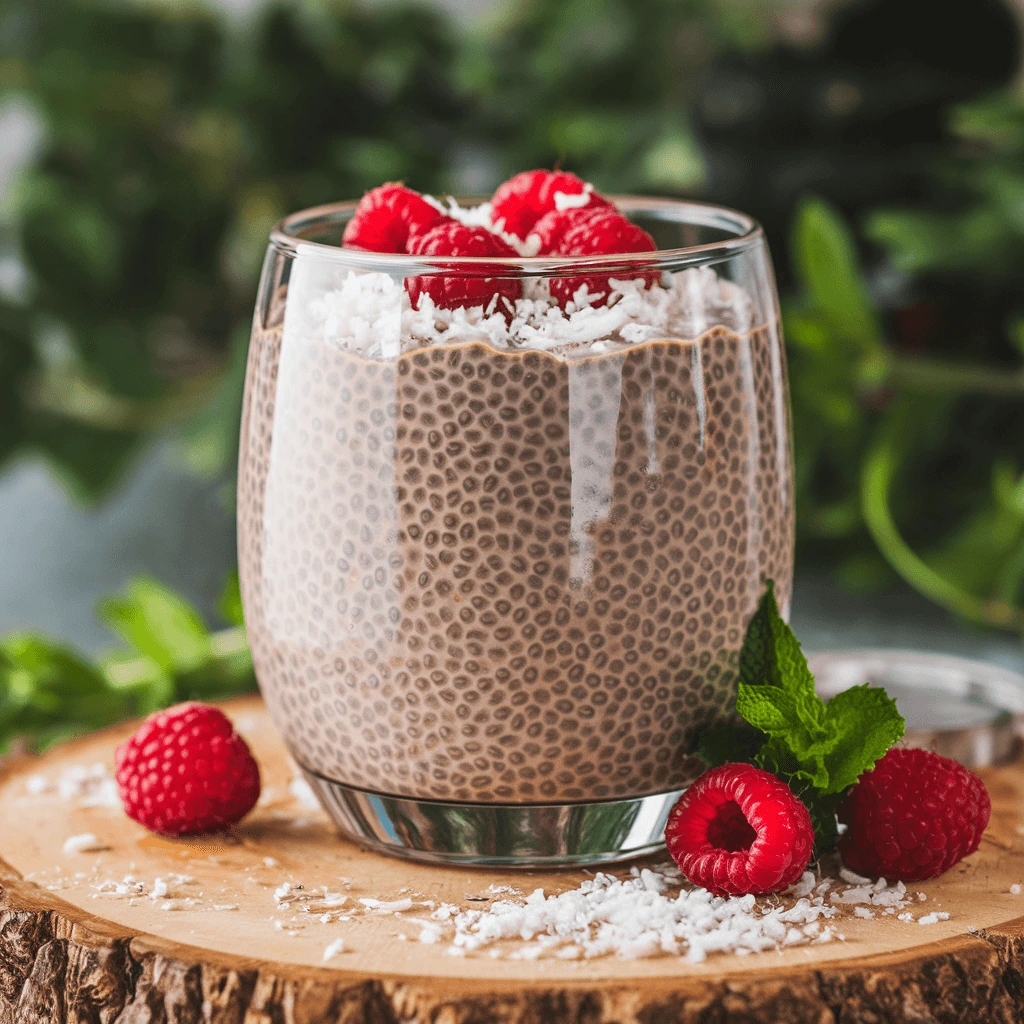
(385, 219)
(524, 199)
(602, 233)
(740, 830)
(186, 771)
(551, 228)
(451, 238)
(913, 816)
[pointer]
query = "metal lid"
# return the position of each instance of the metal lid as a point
(967, 710)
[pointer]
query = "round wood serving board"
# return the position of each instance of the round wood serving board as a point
(72, 952)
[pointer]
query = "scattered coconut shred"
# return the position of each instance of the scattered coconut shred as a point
(86, 785)
(648, 914)
(370, 313)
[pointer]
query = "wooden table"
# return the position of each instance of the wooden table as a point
(71, 949)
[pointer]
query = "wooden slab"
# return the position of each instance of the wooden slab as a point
(71, 952)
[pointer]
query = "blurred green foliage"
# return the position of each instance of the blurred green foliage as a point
(910, 458)
(49, 692)
(173, 140)
(171, 146)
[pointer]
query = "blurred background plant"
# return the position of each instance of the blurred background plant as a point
(882, 147)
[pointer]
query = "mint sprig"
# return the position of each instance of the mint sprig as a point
(818, 749)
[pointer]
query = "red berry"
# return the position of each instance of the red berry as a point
(551, 228)
(385, 219)
(522, 200)
(186, 771)
(913, 816)
(451, 238)
(740, 830)
(602, 233)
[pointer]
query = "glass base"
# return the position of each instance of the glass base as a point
(499, 835)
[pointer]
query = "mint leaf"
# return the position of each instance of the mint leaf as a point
(771, 653)
(818, 749)
(49, 692)
(867, 724)
(794, 722)
(825, 253)
(727, 741)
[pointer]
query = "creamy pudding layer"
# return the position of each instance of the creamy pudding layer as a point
(499, 559)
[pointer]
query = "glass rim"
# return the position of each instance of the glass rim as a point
(747, 232)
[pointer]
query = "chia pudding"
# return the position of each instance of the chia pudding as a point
(508, 559)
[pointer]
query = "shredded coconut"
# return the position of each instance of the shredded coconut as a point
(36, 785)
(333, 949)
(853, 878)
(302, 791)
(934, 917)
(573, 200)
(283, 892)
(383, 907)
(866, 892)
(310, 901)
(371, 314)
(1015, 889)
(86, 842)
(88, 785)
(631, 918)
(652, 913)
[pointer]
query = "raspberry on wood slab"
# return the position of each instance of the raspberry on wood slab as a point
(739, 830)
(185, 771)
(913, 816)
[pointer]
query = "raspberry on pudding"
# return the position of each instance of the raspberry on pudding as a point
(388, 217)
(601, 232)
(500, 533)
(521, 201)
(450, 238)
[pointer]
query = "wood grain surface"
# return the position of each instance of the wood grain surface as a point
(72, 948)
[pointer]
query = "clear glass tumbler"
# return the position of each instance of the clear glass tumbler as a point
(496, 565)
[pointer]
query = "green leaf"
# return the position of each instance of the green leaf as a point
(819, 750)
(794, 722)
(758, 663)
(44, 685)
(160, 625)
(727, 741)
(867, 724)
(230, 603)
(143, 682)
(827, 262)
(974, 241)
(771, 655)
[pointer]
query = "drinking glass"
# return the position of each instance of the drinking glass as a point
(496, 580)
